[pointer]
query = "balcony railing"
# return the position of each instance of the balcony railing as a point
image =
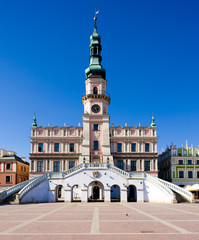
(96, 93)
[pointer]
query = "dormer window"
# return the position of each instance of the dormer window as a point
(95, 90)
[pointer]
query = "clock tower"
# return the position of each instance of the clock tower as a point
(96, 140)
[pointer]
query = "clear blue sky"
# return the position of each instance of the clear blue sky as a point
(150, 50)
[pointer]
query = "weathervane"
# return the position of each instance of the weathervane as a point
(95, 18)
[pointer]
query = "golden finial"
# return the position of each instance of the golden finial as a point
(95, 18)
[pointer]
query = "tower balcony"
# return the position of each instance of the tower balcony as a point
(99, 94)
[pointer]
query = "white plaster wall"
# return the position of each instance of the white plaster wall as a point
(39, 194)
(154, 194)
(46, 191)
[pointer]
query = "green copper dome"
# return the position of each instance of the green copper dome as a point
(153, 122)
(95, 67)
(34, 124)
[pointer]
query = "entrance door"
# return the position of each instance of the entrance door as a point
(132, 194)
(96, 192)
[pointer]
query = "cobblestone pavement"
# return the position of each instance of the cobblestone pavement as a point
(100, 221)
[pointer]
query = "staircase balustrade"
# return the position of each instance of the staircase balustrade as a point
(183, 192)
(13, 189)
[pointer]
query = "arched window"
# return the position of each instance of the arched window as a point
(95, 90)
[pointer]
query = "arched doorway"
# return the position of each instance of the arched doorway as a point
(76, 193)
(115, 193)
(96, 192)
(132, 193)
(59, 193)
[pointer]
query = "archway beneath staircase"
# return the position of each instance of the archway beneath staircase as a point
(95, 192)
(132, 193)
(59, 193)
(115, 193)
(76, 193)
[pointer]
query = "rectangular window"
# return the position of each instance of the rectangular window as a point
(71, 164)
(64, 165)
(133, 147)
(181, 174)
(48, 132)
(8, 166)
(119, 147)
(95, 145)
(40, 149)
(189, 162)
(56, 166)
(48, 165)
(21, 168)
(197, 174)
(56, 147)
(120, 164)
(64, 132)
(24, 169)
(95, 127)
(8, 179)
(72, 147)
(40, 166)
(133, 165)
(180, 162)
(146, 165)
(146, 147)
(190, 174)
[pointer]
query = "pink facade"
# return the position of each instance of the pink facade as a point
(60, 148)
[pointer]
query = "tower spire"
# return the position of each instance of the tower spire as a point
(95, 67)
(153, 121)
(34, 124)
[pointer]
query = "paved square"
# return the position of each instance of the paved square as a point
(100, 221)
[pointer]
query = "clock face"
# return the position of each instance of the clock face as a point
(95, 108)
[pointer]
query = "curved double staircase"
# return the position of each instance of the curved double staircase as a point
(23, 188)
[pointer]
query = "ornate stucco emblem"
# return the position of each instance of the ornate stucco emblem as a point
(95, 174)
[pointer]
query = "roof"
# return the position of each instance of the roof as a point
(13, 157)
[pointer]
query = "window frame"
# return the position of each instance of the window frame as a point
(190, 174)
(133, 147)
(56, 166)
(179, 162)
(56, 147)
(147, 166)
(71, 166)
(72, 147)
(120, 164)
(95, 127)
(96, 145)
(179, 174)
(7, 166)
(147, 147)
(133, 166)
(119, 147)
(40, 147)
(191, 162)
(40, 166)
(6, 179)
